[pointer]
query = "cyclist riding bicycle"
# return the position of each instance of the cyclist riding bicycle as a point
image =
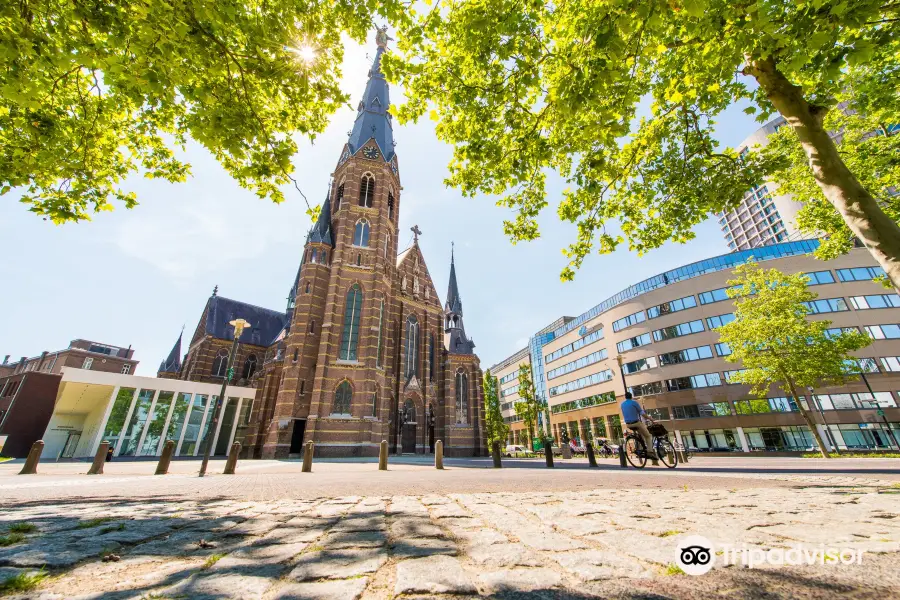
(632, 413)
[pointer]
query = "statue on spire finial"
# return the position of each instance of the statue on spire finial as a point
(381, 37)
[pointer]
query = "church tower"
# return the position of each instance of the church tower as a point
(364, 350)
(335, 381)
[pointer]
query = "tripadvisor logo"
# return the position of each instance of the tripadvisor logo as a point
(696, 555)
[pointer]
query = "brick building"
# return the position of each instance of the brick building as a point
(364, 351)
(80, 354)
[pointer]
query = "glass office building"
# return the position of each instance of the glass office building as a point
(664, 331)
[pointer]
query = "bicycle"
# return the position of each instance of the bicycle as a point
(636, 451)
(604, 449)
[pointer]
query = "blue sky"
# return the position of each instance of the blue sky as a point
(136, 276)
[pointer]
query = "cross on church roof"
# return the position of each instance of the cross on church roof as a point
(416, 233)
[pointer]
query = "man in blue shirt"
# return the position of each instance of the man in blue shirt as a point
(632, 413)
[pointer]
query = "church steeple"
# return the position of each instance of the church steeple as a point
(454, 302)
(321, 231)
(172, 364)
(454, 330)
(372, 118)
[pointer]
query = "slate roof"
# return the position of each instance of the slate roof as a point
(372, 119)
(172, 364)
(265, 324)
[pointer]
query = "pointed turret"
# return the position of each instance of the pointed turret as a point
(321, 231)
(172, 364)
(454, 330)
(454, 302)
(372, 118)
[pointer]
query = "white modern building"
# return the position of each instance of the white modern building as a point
(138, 415)
(764, 216)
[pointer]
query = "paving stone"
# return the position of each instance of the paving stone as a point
(435, 575)
(520, 580)
(341, 589)
(216, 586)
(592, 565)
(409, 528)
(353, 539)
(183, 543)
(504, 555)
(256, 556)
(338, 564)
(479, 537)
(253, 527)
(361, 524)
(416, 547)
(290, 535)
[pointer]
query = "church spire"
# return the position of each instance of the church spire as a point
(172, 364)
(454, 331)
(372, 118)
(454, 302)
(321, 231)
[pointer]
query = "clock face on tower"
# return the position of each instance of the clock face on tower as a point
(370, 152)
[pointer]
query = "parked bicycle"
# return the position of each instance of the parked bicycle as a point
(636, 450)
(604, 449)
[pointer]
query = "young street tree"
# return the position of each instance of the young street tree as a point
(776, 343)
(528, 407)
(620, 98)
(496, 428)
(92, 92)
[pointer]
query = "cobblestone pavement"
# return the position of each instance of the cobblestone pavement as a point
(605, 542)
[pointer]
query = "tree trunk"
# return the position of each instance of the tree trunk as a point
(809, 420)
(531, 437)
(860, 211)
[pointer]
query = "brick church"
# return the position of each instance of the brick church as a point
(364, 351)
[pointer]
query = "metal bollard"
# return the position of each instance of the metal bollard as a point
(439, 455)
(34, 456)
(307, 457)
(382, 456)
(548, 454)
(592, 458)
(99, 459)
(231, 463)
(166, 457)
(622, 461)
(495, 452)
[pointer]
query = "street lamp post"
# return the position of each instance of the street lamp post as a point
(239, 326)
(622, 372)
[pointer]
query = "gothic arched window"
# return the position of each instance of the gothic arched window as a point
(375, 405)
(462, 398)
(391, 204)
(312, 326)
(350, 335)
(220, 364)
(412, 346)
(340, 195)
(360, 234)
(367, 190)
(380, 326)
(249, 367)
(342, 397)
(324, 257)
(307, 287)
(431, 357)
(315, 255)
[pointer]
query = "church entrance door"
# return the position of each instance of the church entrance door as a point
(408, 433)
(408, 441)
(297, 436)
